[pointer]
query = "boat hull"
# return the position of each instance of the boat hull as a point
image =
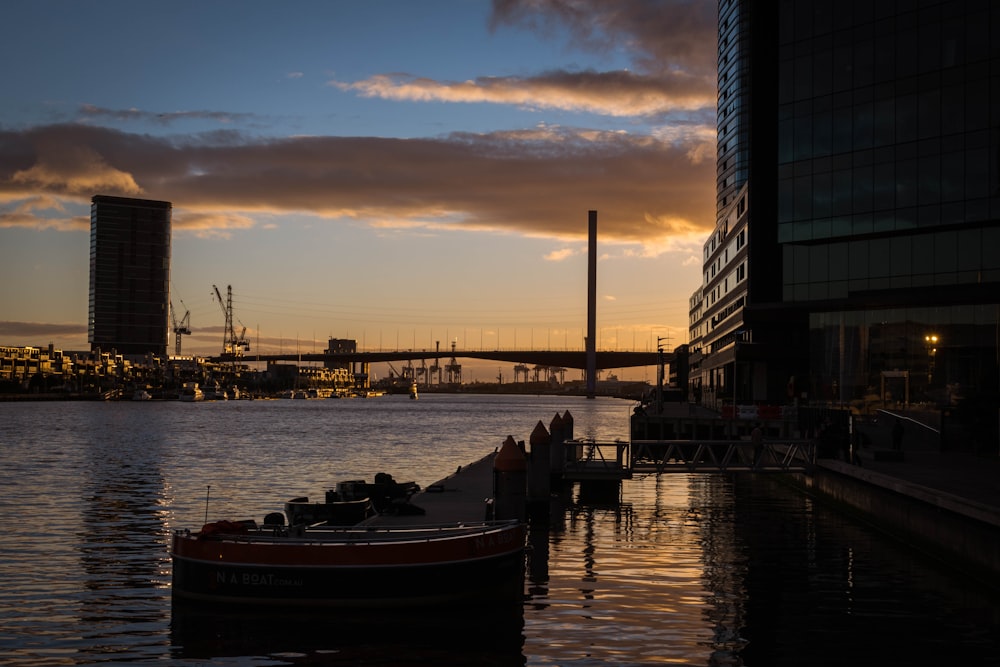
(485, 567)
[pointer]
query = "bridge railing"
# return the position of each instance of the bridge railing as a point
(656, 456)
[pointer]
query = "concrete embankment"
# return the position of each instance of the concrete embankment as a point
(942, 506)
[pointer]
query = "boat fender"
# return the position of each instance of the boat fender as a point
(222, 528)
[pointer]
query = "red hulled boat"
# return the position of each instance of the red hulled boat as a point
(360, 566)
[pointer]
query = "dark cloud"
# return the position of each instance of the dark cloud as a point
(538, 181)
(663, 36)
(89, 111)
(40, 330)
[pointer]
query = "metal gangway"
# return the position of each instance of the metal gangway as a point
(686, 456)
(589, 460)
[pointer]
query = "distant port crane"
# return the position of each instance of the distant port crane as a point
(454, 369)
(181, 328)
(232, 345)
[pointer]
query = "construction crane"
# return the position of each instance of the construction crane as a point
(232, 346)
(182, 328)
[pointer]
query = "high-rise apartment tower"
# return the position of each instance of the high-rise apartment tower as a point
(129, 275)
(856, 257)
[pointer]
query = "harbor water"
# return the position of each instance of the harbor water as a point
(678, 568)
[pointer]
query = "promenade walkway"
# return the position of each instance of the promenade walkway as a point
(961, 476)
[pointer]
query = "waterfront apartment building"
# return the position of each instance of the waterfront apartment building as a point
(859, 158)
(19, 365)
(129, 275)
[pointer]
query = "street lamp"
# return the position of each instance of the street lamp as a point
(659, 374)
(930, 342)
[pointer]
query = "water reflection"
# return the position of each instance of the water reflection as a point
(121, 540)
(435, 636)
(619, 586)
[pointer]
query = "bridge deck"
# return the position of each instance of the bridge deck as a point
(605, 359)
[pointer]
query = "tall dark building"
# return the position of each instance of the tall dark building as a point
(856, 258)
(129, 275)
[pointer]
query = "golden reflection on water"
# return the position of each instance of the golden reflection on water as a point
(640, 581)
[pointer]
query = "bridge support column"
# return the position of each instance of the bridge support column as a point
(592, 304)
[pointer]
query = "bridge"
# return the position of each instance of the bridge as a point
(588, 460)
(554, 358)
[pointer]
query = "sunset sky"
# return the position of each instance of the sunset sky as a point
(395, 172)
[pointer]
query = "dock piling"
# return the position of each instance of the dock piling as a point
(510, 482)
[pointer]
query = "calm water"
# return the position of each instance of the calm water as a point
(685, 569)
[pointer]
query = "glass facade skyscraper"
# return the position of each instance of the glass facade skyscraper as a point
(867, 135)
(129, 275)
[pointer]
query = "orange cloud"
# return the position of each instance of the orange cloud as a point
(41, 212)
(618, 94)
(76, 170)
(561, 254)
(207, 224)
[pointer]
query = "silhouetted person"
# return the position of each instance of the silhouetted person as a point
(897, 434)
(757, 438)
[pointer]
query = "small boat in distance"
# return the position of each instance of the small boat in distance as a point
(191, 392)
(363, 566)
(141, 395)
(413, 391)
(215, 392)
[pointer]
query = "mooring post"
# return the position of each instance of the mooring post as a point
(557, 455)
(510, 482)
(539, 465)
(576, 453)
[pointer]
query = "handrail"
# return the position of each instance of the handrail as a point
(362, 534)
(593, 454)
(910, 420)
(785, 455)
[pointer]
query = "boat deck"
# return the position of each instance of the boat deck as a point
(458, 497)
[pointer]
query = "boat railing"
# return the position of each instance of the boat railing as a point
(363, 534)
